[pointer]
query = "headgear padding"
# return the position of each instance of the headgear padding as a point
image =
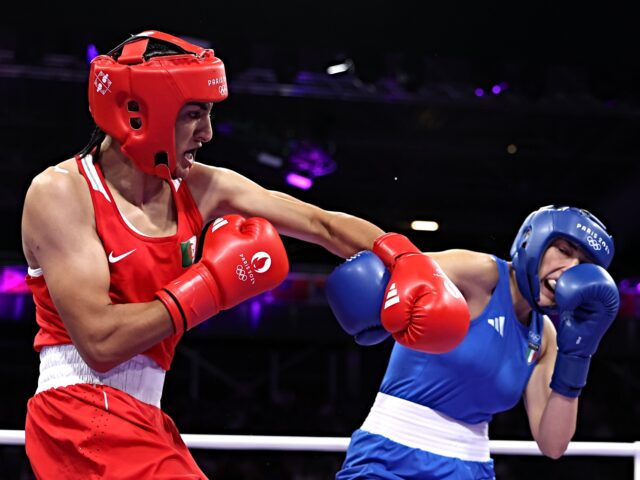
(538, 231)
(136, 100)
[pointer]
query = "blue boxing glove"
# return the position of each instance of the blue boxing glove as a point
(588, 302)
(355, 290)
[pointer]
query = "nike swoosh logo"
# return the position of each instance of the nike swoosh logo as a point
(113, 259)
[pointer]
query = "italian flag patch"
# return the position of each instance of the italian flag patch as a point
(532, 354)
(533, 346)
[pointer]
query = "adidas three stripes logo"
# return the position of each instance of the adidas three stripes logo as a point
(392, 296)
(498, 324)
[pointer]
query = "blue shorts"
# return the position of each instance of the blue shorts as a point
(374, 456)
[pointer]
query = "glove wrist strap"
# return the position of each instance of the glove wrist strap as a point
(191, 298)
(391, 245)
(570, 374)
(174, 309)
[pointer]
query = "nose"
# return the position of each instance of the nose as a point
(204, 133)
(573, 262)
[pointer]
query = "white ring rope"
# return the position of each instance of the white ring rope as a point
(339, 444)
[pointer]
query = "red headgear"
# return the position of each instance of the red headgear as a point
(136, 101)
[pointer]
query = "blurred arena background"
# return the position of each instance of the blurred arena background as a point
(467, 114)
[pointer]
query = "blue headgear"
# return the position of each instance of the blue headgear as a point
(538, 231)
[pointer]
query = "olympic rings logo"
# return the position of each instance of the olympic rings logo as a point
(241, 273)
(593, 243)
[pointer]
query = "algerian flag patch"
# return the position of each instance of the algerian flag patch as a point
(188, 250)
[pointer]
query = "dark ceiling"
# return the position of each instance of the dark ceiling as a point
(408, 135)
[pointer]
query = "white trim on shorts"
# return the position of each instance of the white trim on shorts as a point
(62, 365)
(417, 426)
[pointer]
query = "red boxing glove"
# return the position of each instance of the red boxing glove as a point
(238, 259)
(422, 308)
(391, 246)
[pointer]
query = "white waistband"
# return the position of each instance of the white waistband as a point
(62, 365)
(417, 426)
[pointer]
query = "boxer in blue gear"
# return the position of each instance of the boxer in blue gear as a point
(430, 418)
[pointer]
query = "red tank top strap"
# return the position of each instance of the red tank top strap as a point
(188, 211)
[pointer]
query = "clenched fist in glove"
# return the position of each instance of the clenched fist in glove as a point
(423, 309)
(355, 291)
(237, 259)
(588, 302)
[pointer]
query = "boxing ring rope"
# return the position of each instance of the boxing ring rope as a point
(339, 444)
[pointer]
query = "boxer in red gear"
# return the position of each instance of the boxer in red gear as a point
(110, 238)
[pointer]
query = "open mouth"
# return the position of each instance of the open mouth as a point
(550, 284)
(190, 157)
(549, 290)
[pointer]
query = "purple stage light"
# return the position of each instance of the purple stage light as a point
(630, 286)
(499, 88)
(224, 128)
(255, 312)
(629, 297)
(12, 279)
(92, 52)
(311, 160)
(307, 161)
(14, 293)
(267, 297)
(299, 181)
(479, 92)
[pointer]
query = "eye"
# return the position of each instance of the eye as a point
(567, 249)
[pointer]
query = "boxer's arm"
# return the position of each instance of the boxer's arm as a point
(59, 236)
(588, 301)
(219, 191)
(474, 273)
(552, 417)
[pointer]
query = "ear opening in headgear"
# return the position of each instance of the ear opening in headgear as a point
(161, 158)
